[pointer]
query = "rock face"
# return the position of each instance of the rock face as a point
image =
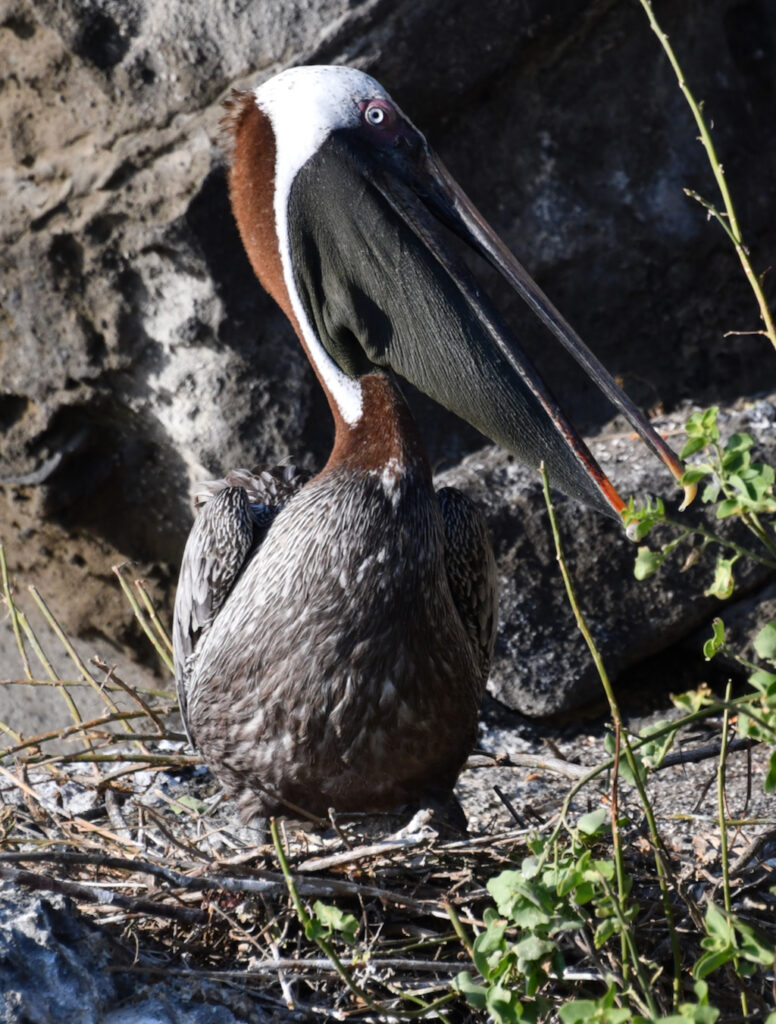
(55, 967)
(542, 664)
(137, 352)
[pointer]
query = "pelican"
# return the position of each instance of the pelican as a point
(333, 637)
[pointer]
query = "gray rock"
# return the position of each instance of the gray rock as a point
(54, 967)
(542, 665)
(51, 966)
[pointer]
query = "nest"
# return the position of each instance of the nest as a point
(133, 829)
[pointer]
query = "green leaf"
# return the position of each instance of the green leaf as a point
(752, 945)
(764, 681)
(770, 779)
(596, 1011)
(533, 948)
(474, 994)
(334, 920)
(729, 507)
(692, 700)
(652, 753)
(647, 563)
(493, 936)
(709, 422)
(191, 802)
(579, 1011)
(718, 926)
(713, 646)
(604, 931)
(711, 491)
(591, 824)
(693, 445)
(723, 584)
(712, 961)
(739, 443)
(696, 473)
(765, 642)
(504, 1006)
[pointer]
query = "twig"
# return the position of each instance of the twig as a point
(732, 230)
(150, 607)
(550, 764)
(112, 676)
(67, 731)
(88, 894)
(629, 756)
(74, 655)
(704, 753)
(753, 850)
(12, 612)
(142, 618)
(360, 853)
(48, 668)
(268, 882)
(328, 950)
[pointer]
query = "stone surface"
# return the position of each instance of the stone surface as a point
(137, 353)
(542, 664)
(55, 967)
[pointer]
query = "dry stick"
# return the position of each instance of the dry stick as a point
(731, 227)
(93, 757)
(269, 882)
(80, 684)
(706, 753)
(70, 730)
(313, 963)
(142, 618)
(29, 791)
(112, 676)
(619, 856)
(15, 736)
(67, 697)
(64, 640)
(74, 655)
(360, 853)
(629, 756)
(12, 611)
(150, 607)
(551, 764)
(89, 894)
(328, 950)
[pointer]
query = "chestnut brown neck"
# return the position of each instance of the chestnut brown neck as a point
(252, 192)
(385, 435)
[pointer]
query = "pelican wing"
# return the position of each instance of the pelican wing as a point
(233, 517)
(471, 572)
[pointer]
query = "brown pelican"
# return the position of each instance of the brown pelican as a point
(333, 640)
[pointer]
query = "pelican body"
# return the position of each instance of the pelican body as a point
(333, 637)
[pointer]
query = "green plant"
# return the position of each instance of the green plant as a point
(560, 888)
(737, 486)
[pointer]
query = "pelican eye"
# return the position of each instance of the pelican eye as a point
(375, 115)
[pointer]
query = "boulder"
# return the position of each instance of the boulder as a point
(56, 966)
(542, 665)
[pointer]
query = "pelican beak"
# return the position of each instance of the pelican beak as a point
(383, 287)
(442, 195)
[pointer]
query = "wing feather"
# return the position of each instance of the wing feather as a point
(471, 571)
(234, 514)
